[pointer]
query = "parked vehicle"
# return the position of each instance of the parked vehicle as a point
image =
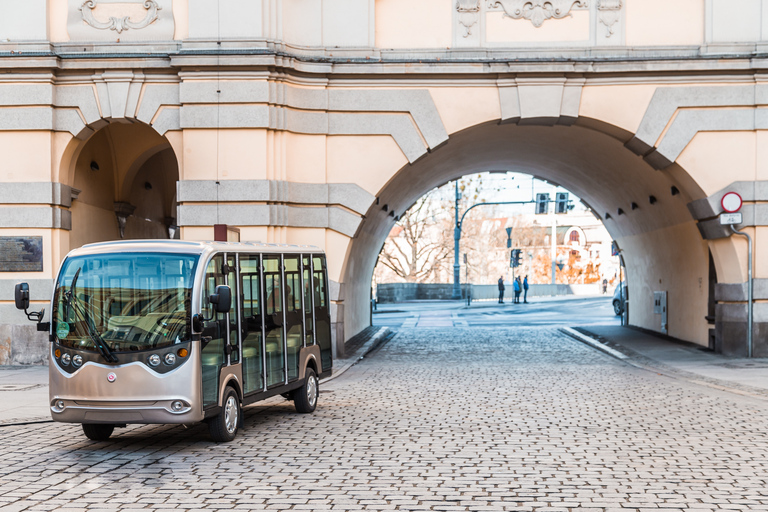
(181, 332)
(619, 296)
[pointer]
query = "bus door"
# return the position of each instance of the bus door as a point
(309, 317)
(322, 311)
(252, 323)
(234, 343)
(294, 326)
(215, 333)
(274, 333)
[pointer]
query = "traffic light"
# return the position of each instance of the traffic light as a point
(515, 258)
(561, 203)
(542, 203)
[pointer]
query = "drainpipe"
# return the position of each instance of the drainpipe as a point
(749, 290)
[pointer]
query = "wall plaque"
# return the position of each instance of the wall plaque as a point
(21, 254)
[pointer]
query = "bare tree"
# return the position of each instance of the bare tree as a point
(415, 250)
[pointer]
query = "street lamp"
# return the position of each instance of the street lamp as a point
(457, 237)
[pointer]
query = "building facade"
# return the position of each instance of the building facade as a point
(320, 121)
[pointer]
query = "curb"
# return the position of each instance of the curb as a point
(645, 363)
(593, 343)
(366, 349)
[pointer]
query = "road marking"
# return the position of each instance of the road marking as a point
(594, 343)
(411, 322)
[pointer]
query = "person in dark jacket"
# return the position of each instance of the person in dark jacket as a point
(501, 290)
(517, 287)
(525, 290)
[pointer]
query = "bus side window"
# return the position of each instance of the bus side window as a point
(309, 317)
(322, 311)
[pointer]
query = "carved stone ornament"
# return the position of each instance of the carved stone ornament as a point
(609, 14)
(119, 24)
(537, 11)
(468, 15)
(468, 5)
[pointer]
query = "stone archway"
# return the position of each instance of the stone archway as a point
(124, 176)
(645, 211)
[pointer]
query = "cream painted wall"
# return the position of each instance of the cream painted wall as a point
(181, 19)
(305, 158)
(462, 107)
(600, 101)
(347, 23)
(717, 159)
(302, 22)
(336, 246)
(736, 21)
(409, 24)
(730, 264)
(501, 29)
(368, 161)
(228, 155)
(307, 236)
(683, 248)
(32, 164)
(57, 21)
(664, 22)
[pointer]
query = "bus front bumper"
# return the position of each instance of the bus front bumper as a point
(123, 412)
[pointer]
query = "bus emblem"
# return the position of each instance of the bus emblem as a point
(111, 377)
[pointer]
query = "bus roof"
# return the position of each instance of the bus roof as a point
(190, 247)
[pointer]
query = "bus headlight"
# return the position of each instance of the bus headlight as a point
(154, 360)
(77, 360)
(65, 359)
(169, 358)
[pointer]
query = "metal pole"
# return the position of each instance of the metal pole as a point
(749, 289)
(456, 238)
(554, 244)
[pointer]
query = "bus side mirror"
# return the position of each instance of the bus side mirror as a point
(21, 294)
(222, 299)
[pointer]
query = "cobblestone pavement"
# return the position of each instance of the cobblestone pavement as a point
(441, 419)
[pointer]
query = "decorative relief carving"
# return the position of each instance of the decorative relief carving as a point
(609, 14)
(538, 11)
(468, 15)
(119, 24)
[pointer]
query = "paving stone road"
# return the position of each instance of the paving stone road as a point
(437, 419)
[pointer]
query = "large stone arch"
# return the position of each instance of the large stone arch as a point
(661, 241)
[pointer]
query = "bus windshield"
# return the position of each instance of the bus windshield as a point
(124, 302)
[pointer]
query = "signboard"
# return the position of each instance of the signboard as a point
(730, 218)
(21, 254)
(731, 202)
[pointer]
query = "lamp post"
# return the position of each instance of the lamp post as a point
(457, 237)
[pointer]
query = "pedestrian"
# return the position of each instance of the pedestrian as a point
(516, 285)
(605, 286)
(525, 290)
(501, 290)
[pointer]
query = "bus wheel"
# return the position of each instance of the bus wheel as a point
(305, 398)
(223, 427)
(97, 432)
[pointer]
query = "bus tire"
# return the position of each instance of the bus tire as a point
(97, 432)
(223, 426)
(305, 398)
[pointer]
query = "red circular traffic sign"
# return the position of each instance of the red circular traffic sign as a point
(731, 202)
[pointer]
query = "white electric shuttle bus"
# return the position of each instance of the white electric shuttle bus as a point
(181, 332)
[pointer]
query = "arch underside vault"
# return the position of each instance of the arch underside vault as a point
(661, 243)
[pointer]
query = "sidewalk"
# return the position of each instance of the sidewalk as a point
(24, 389)
(678, 359)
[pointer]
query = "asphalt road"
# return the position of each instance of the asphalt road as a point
(538, 312)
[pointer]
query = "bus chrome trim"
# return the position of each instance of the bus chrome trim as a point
(87, 396)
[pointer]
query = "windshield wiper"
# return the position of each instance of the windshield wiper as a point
(93, 333)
